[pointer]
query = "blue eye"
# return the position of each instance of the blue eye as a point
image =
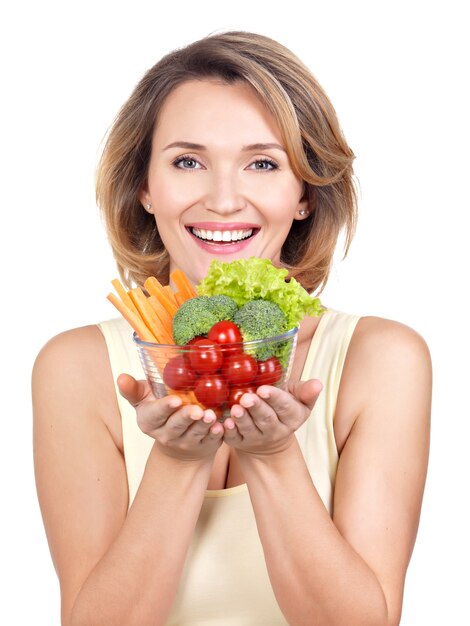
(264, 165)
(186, 163)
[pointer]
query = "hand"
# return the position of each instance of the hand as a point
(185, 432)
(264, 422)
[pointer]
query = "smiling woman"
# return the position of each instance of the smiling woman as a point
(302, 505)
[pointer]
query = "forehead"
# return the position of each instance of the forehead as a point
(215, 109)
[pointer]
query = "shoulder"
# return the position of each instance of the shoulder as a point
(386, 347)
(386, 360)
(73, 351)
(73, 369)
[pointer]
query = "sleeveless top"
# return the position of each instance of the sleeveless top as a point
(225, 581)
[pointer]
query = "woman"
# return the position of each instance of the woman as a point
(303, 506)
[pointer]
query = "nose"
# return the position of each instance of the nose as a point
(224, 194)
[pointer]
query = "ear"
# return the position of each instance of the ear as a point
(145, 200)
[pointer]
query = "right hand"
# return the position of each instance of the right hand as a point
(185, 432)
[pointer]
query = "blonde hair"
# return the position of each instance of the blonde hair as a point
(316, 147)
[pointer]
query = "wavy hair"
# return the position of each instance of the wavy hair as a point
(317, 150)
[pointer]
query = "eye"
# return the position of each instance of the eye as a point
(264, 165)
(186, 162)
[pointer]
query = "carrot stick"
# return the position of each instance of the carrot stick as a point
(146, 312)
(169, 292)
(162, 313)
(134, 320)
(182, 284)
(155, 288)
(180, 298)
(122, 293)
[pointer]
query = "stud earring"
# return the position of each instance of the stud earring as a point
(303, 212)
(148, 207)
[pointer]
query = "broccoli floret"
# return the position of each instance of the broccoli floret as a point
(193, 318)
(223, 307)
(260, 319)
(197, 316)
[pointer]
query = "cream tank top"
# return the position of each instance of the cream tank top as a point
(225, 580)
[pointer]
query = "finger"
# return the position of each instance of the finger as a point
(232, 435)
(134, 391)
(199, 428)
(215, 434)
(292, 407)
(262, 414)
(178, 423)
(241, 413)
(306, 391)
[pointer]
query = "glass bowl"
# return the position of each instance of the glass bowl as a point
(216, 375)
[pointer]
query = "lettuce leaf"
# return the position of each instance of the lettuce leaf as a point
(253, 279)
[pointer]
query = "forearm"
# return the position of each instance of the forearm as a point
(136, 580)
(316, 576)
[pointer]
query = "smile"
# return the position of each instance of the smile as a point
(223, 238)
(226, 236)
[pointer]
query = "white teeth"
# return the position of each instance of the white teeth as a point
(218, 235)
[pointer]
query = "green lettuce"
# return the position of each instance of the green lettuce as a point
(253, 279)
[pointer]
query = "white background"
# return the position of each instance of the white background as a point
(397, 74)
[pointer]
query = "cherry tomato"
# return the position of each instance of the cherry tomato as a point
(235, 393)
(269, 372)
(211, 390)
(225, 332)
(187, 350)
(177, 374)
(205, 356)
(239, 368)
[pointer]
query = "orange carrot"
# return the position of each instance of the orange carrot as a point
(155, 288)
(182, 284)
(180, 298)
(146, 312)
(134, 320)
(170, 293)
(162, 314)
(122, 293)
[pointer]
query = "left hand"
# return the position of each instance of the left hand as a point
(264, 422)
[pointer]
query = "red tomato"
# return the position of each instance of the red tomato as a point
(205, 356)
(177, 374)
(211, 390)
(225, 332)
(235, 393)
(239, 368)
(269, 372)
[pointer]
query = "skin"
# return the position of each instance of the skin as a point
(119, 567)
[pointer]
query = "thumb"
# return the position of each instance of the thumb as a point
(306, 391)
(134, 391)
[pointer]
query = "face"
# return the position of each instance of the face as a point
(220, 184)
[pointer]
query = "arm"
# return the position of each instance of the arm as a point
(349, 570)
(114, 568)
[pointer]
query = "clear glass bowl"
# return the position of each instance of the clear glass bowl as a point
(216, 377)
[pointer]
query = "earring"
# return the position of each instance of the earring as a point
(303, 212)
(148, 207)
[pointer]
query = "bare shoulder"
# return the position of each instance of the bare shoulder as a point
(75, 366)
(385, 358)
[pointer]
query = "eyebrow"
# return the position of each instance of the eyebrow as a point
(187, 145)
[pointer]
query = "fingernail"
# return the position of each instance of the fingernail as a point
(174, 403)
(263, 392)
(209, 417)
(249, 401)
(229, 424)
(237, 412)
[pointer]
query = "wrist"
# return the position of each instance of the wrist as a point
(272, 455)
